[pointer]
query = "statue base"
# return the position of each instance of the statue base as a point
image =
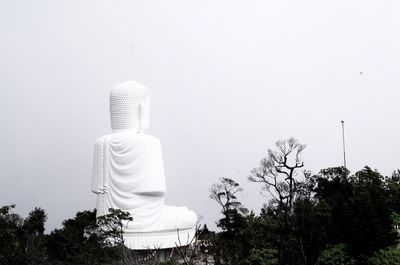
(159, 239)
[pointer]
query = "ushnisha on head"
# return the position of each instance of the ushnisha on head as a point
(129, 107)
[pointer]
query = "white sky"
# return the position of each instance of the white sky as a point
(228, 79)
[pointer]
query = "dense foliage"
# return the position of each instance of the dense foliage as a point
(332, 217)
(81, 240)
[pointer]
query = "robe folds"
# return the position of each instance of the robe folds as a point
(128, 174)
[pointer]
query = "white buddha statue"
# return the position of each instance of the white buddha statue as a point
(128, 174)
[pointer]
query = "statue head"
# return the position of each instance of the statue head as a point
(129, 106)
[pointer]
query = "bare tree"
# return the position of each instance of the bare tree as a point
(277, 171)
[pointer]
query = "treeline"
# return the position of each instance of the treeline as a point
(81, 240)
(332, 217)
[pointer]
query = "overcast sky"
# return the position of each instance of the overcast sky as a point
(227, 78)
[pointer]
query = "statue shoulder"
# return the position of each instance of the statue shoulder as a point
(137, 139)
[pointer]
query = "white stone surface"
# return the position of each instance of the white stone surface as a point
(128, 174)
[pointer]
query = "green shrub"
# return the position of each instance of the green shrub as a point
(335, 255)
(264, 256)
(385, 257)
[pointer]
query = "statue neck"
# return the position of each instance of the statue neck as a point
(132, 131)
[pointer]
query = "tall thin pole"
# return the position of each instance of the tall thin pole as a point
(344, 146)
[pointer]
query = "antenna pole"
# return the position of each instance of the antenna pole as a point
(344, 146)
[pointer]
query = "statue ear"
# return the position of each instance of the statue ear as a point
(144, 114)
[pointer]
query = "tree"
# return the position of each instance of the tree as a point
(22, 241)
(224, 193)
(309, 222)
(110, 229)
(361, 216)
(82, 240)
(261, 257)
(72, 244)
(229, 246)
(111, 226)
(277, 173)
(11, 251)
(392, 187)
(261, 232)
(34, 238)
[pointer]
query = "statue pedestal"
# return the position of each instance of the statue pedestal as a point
(152, 256)
(159, 240)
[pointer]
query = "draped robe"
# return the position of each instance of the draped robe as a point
(128, 174)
